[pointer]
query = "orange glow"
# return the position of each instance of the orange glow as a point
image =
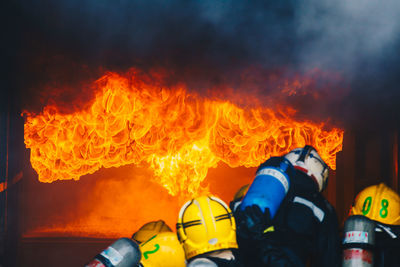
(179, 135)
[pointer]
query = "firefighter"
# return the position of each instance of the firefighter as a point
(162, 250)
(207, 230)
(150, 229)
(381, 204)
(302, 228)
(308, 216)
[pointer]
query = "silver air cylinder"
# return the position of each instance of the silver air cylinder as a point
(122, 253)
(202, 262)
(358, 242)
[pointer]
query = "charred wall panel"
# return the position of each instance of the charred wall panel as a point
(345, 175)
(3, 182)
(11, 174)
(367, 158)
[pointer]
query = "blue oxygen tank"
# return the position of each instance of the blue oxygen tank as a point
(270, 185)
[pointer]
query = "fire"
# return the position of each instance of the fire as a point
(179, 135)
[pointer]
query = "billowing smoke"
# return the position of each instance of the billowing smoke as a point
(207, 44)
(347, 34)
(362, 39)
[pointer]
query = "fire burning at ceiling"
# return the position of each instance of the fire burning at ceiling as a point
(177, 134)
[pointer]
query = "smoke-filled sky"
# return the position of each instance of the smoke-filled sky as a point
(352, 47)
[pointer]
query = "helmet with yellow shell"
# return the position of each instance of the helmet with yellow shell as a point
(206, 224)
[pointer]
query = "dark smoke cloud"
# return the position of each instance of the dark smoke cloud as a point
(64, 44)
(361, 38)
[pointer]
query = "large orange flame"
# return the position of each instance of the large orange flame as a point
(179, 135)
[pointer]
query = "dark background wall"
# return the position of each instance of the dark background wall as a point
(367, 158)
(12, 160)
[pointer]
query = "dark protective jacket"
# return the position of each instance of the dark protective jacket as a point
(387, 245)
(305, 230)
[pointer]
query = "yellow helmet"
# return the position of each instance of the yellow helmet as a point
(162, 250)
(150, 229)
(206, 224)
(379, 203)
